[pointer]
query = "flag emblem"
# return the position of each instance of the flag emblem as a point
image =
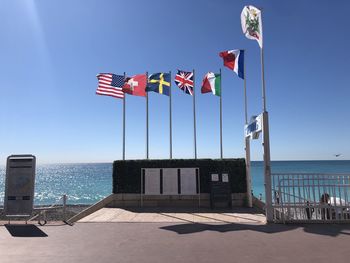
(184, 80)
(234, 60)
(110, 85)
(160, 83)
(135, 85)
(251, 24)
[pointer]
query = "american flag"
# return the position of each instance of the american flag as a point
(110, 85)
(184, 80)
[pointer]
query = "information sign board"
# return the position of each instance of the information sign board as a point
(19, 185)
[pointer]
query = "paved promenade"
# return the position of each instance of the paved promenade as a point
(163, 215)
(174, 242)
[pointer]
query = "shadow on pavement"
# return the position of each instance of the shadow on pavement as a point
(327, 229)
(320, 229)
(25, 231)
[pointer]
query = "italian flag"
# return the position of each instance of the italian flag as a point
(212, 83)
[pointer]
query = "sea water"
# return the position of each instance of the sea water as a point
(89, 183)
(82, 183)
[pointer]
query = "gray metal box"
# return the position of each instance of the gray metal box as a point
(19, 185)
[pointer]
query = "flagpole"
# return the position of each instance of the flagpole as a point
(194, 118)
(245, 90)
(263, 78)
(170, 120)
(124, 122)
(266, 144)
(247, 141)
(147, 135)
(221, 152)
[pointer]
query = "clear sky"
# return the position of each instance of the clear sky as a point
(51, 52)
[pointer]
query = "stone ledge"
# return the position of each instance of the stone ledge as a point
(124, 200)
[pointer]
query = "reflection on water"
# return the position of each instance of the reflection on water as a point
(83, 183)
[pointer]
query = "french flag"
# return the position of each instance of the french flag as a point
(234, 60)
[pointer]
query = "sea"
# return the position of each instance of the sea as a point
(88, 183)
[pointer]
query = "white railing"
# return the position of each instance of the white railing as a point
(306, 197)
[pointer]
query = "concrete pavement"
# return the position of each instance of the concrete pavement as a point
(172, 215)
(174, 242)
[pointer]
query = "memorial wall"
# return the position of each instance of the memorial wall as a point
(176, 176)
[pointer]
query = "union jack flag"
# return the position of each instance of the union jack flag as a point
(184, 80)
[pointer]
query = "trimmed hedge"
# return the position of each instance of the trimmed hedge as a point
(126, 174)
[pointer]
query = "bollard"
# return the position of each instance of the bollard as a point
(64, 207)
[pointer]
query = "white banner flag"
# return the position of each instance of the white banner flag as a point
(252, 24)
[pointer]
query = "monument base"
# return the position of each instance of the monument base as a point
(202, 200)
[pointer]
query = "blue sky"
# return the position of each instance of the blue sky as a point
(51, 52)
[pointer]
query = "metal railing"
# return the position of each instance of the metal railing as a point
(306, 197)
(41, 216)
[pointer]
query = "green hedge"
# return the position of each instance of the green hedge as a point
(126, 174)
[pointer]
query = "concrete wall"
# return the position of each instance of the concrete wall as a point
(258, 204)
(134, 200)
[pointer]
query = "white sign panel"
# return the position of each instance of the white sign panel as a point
(170, 183)
(254, 128)
(225, 178)
(214, 177)
(152, 181)
(188, 181)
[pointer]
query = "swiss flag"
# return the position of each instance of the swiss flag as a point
(136, 85)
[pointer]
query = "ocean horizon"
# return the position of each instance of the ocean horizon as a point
(87, 183)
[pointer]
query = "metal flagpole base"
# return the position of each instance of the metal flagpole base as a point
(248, 175)
(267, 168)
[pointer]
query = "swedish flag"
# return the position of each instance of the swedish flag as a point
(159, 82)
